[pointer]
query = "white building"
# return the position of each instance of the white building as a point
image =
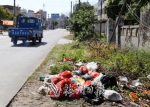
(103, 8)
(30, 13)
(102, 16)
(24, 11)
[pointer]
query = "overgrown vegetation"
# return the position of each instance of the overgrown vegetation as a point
(131, 63)
(114, 6)
(82, 21)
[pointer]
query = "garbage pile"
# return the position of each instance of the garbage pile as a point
(84, 82)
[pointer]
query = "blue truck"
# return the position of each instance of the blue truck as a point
(28, 28)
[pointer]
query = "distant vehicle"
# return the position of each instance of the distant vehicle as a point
(28, 28)
(67, 28)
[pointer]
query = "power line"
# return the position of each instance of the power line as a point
(138, 19)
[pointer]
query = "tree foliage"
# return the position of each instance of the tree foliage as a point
(114, 6)
(82, 21)
(54, 23)
(5, 14)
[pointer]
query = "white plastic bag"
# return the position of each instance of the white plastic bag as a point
(123, 79)
(112, 95)
(92, 66)
(43, 90)
(137, 83)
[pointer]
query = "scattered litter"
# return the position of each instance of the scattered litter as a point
(137, 83)
(146, 92)
(77, 72)
(124, 86)
(87, 77)
(123, 79)
(79, 64)
(92, 66)
(43, 90)
(133, 96)
(83, 69)
(112, 95)
(109, 81)
(86, 82)
(148, 76)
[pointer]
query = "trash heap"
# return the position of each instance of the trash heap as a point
(84, 82)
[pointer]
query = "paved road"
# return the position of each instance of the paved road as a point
(17, 63)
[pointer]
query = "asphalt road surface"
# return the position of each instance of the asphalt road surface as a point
(17, 63)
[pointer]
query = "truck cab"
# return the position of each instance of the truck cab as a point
(28, 29)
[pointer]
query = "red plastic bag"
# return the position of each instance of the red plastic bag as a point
(76, 94)
(87, 83)
(94, 74)
(83, 69)
(66, 74)
(56, 79)
(62, 83)
(58, 95)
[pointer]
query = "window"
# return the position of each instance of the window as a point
(30, 20)
(23, 20)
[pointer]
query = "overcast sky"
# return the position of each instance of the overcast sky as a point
(51, 6)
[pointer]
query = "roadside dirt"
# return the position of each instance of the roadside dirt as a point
(28, 96)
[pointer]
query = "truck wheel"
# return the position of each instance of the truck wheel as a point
(34, 41)
(40, 39)
(15, 41)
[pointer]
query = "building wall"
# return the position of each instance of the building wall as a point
(11, 9)
(30, 13)
(44, 14)
(104, 15)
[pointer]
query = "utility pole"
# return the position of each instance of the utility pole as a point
(100, 27)
(14, 13)
(71, 7)
(79, 4)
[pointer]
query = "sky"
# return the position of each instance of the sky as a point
(51, 6)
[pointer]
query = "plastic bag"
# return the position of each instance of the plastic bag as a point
(148, 76)
(112, 95)
(87, 83)
(123, 79)
(87, 77)
(98, 78)
(137, 83)
(43, 90)
(80, 80)
(66, 74)
(92, 95)
(92, 66)
(78, 72)
(56, 79)
(94, 74)
(83, 69)
(109, 81)
(73, 80)
(76, 94)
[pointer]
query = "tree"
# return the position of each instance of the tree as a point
(54, 23)
(5, 14)
(81, 22)
(114, 6)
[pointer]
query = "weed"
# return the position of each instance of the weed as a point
(60, 67)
